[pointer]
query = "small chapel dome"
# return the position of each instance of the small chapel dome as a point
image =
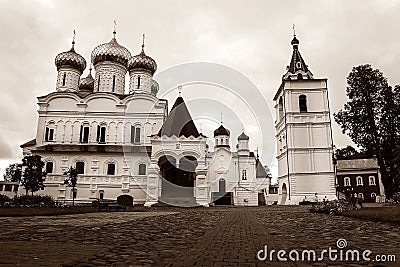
(221, 131)
(111, 51)
(87, 83)
(295, 41)
(243, 136)
(71, 59)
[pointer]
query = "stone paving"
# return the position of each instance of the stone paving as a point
(220, 236)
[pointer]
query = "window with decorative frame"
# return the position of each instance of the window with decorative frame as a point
(347, 181)
(142, 169)
(244, 174)
(111, 168)
(359, 180)
(371, 180)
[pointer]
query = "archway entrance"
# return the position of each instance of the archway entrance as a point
(179, 180)
(284, 194)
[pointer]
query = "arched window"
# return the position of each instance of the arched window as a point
(49, 167)
(64, 78)
(303, 103)
(113, 84)
(142, 169)
(80, 167)
(373, 197)
(361, 196)
(280, 107)
(371, 180)
(101, 194)
(135, 134)
(138, 82)
(359, 180)
(244, 174)
(101, 134)
(222, 185)
(111, 169)
(98, 83)
(85, 133)
(347, 181)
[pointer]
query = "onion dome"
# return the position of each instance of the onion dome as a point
(221, 131)
(111, 51)
(87, 84)
(142, 62)
(71, 59)
(243, 136)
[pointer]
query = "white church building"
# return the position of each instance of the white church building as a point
(126, 141)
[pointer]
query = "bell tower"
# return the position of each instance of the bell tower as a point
(304, 135)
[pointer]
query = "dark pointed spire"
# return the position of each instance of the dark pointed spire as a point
(298, 69)
(179, 122)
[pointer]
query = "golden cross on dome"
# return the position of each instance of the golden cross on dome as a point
(221, 118)
(143, 40)
(294, 30)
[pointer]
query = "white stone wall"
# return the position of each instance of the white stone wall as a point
(105, 72)
(67, 112)
(304, 141)
(72, 77)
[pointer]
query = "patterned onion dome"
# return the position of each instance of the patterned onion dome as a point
(243, 136)
(142, 62)
(72, 59)
(111, 51)
(221, 131)
(87, 83)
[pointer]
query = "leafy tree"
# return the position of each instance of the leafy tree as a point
(13, 172)
(350, 152)
(33, 177)
(370, 119)
(72, 180)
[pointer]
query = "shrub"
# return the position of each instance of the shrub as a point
(333, 207)
(35, 200)
(396, 197)
(4, 199)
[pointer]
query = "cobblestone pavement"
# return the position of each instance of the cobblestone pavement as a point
(223, 236)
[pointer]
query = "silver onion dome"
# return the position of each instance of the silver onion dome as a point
(111, 51)
(142, 62)
(70, 59)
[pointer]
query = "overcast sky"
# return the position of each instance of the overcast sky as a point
(250, 36)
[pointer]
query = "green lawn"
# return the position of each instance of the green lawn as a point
(377, 214)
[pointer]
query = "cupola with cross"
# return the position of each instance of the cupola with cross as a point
(70, 66)
(110, 62)
(141, 69)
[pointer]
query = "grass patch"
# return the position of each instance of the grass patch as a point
(37, 211)
(376, 214)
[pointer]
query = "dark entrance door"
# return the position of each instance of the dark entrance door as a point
(179, 180)
(222, 197)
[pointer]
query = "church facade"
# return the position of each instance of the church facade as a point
(125, 142)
